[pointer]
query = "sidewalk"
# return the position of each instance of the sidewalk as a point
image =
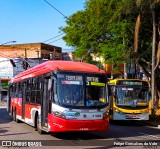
(3, 105)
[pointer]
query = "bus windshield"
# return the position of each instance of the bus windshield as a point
(81, 90)
(131, 95)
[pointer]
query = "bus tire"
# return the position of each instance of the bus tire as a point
(40, 131)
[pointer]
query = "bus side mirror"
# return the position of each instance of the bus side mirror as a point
(55, 86)
(49, 84)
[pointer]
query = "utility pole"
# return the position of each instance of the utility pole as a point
(125, 71)
(153, 62)
(25, 54)
(25, 64)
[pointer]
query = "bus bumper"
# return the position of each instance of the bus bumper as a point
(130, 116)
(57, 124)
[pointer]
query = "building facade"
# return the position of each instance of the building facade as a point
(31, 50)
(18, 57)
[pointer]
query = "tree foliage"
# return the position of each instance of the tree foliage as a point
(107, 27)
(94, 29)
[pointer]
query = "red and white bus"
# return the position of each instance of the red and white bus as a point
(52, 97)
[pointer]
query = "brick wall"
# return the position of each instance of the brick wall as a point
(30, 51)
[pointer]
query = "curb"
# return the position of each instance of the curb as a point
(3, 106)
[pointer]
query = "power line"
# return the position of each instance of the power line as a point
(53, 37)
(7, 43)
(55, 40)
(56, 9)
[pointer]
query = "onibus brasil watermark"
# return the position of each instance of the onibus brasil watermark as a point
(39, 143)
(21, 143)
(136, 143)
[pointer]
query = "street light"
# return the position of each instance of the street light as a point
(7, 42)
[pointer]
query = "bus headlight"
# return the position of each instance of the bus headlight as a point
(59, 114)
(116, 110)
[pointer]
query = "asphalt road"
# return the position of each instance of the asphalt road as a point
(120, 135)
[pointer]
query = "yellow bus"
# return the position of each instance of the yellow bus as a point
(129, 99)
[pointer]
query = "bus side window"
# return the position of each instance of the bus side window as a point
(16, 90)
(19, 90)
(11, 91)
(39, 91)
(28, 91)
(33, 90)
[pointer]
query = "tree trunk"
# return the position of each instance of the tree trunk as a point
(153, 60)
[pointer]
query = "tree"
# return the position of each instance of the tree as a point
(90, 29)
(146, 43)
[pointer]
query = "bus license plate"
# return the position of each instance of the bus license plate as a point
(131, 116)
(83, 129)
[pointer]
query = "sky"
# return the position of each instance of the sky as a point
(32, 21)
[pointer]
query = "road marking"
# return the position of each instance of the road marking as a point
(148, 135)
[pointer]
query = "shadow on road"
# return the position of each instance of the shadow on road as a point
(11, 134)
(129, 123)
(117, 130)
(77, 135)
(4, 116)
(3, 130)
